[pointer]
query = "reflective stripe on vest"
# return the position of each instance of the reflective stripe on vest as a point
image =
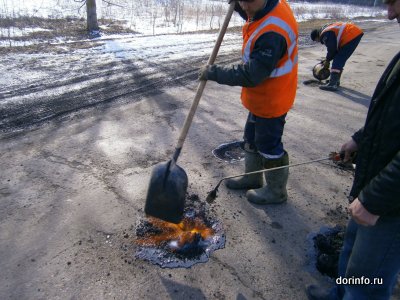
(288, 65)
(340, 27)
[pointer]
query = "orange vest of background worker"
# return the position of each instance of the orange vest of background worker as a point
(268, 77)
(345, 32)
(340, 39)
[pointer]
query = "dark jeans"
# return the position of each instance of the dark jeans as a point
(265, 134)
(370, 252)
(345, 52)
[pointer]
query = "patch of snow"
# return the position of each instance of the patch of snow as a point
(158, 19)
(18, 32)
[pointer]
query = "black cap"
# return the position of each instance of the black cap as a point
(314, 34)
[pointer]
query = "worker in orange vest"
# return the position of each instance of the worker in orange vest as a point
(268, 76)
(341, 39)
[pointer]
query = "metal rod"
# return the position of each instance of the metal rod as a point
(276, 168)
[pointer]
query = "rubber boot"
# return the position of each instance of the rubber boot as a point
(252, 162)
(275, 190)
(334, 82)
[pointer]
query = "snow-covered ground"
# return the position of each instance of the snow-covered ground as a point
(152, 17)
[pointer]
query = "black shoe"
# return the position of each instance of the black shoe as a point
(333, 84)
(317, 293)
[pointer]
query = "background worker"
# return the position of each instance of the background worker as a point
(268, 75)
(371, 246)
(340, 39)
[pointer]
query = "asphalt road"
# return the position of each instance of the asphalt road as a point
(73, 186)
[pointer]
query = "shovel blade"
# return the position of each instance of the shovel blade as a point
(167, 192)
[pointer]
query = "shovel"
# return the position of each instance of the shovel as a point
(213, 194)
(168, 183)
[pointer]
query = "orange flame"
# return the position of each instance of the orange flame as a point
(183, 233)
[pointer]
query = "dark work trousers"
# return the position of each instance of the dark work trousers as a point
(345, 52)
(369, 262)
(265, 135)
(372, 252)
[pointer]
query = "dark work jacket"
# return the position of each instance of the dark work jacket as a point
(377, 176)
(329, 39)
(269, 48)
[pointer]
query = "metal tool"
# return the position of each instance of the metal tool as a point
(168, 183)
(212, 195)
(321, 72)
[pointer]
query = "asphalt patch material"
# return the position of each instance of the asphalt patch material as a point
(180, 245)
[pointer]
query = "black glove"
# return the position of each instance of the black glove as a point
(326, 63)
(203, 72)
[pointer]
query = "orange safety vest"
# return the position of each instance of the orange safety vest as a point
(345, 32)
(275, 95)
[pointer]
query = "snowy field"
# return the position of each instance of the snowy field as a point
(51, 64)
(162, 17)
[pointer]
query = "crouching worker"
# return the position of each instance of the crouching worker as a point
(340, 39)
(268, 75)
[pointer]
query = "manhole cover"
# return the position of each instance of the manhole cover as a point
(230, 152)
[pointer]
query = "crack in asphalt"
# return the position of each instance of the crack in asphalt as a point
(103, 177)
(236, 274)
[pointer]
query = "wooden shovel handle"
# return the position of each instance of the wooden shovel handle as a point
(202, 83)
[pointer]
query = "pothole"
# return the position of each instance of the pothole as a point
(180, 245)
(328, 244)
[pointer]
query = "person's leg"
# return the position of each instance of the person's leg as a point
(268, 136)
(348, 243)
(367, 253)
(268, 140)
(252, 161)
(344, 53)
(374, 255)
(250, 131)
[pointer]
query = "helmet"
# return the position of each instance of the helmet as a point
(320, 72)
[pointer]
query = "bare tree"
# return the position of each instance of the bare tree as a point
(154, 16)
(212, 15)
(91, 14)
(197, 16)
(92, 24)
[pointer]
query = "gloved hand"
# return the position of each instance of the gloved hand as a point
(349, 148)
(326, 64)
(203, 72)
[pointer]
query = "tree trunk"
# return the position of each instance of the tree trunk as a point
(92, 24)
